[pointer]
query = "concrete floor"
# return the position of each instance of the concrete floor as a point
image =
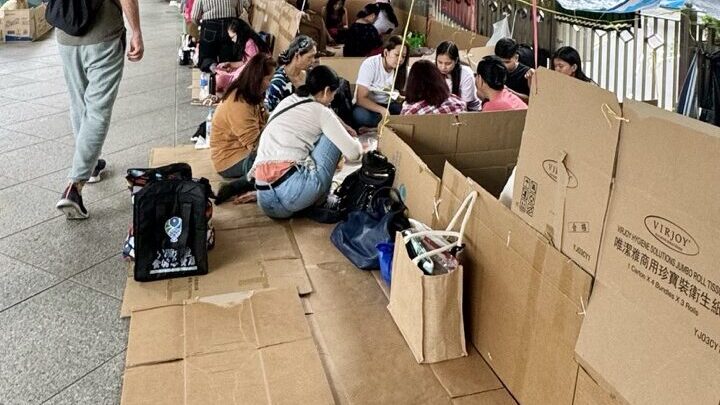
(61, 283)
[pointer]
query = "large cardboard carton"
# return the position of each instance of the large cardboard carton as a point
(524, 299)
(439, 32)
(565, 168)
(653, 325)
(256, 346)
(25, 25)
(484, 146)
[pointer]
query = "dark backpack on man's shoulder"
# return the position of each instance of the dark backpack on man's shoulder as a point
(74, 17)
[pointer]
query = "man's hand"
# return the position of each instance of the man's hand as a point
(137, 48)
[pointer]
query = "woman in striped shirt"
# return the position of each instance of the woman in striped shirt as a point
(291, 74)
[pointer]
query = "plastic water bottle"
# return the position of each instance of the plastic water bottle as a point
(204, 85)
(208, 124)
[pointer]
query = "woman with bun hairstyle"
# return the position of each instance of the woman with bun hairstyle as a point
(491, 78)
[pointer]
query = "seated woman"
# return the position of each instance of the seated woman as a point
(239, 118)
(313, 25)
(387, 20)
(491, 79)
(244, 44)
(300, 148)
(427, 93)
(362, 39)
(566, 60)
(460, 78)
(335, 16)
(293, 62)
(375, 81)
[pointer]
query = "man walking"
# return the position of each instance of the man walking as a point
(93, 65)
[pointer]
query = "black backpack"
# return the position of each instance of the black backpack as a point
(171, 222)
(342, 104)
(357, 190)
(75, 17)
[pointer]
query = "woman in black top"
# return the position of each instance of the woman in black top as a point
(336, 19)
(362, 39)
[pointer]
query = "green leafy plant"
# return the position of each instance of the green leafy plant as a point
(415, 40)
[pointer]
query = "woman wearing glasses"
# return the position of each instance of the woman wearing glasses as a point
(293, 62)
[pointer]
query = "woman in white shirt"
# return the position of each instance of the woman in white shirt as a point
(375, 81)
(300, 148)
(460, 78)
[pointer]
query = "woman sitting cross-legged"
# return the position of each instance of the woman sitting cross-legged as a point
(300, 148)
(237, 124)
(243, 44)
(294, 63)
(427, 93)
(376, 79)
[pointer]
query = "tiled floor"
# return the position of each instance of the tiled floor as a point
(61, 338)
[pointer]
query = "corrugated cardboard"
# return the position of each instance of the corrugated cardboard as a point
(472, 57)
(524, 298)
(496, 397)
(566, 162)
(439, 32)
(427, 309)
(417, 184)
(278, 18)
(484, 146)
(255, 346)
(243, 259)
(347, 68)
(655, 307)
(588, 392)
(26, 24)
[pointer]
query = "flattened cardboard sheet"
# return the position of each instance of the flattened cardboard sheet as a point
(521, 294)
(566, 163)
(256, 346)
(243, 259)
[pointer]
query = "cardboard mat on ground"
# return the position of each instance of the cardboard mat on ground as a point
(655, 308)
(253, 347)
(524, 299)
(565, 168)
(484, 146)
(251, 250)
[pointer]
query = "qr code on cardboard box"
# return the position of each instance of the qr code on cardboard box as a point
(527, 198)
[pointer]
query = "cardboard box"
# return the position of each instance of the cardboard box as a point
(25, 25)
(566, 162)
(256, 346)
(655, 308)
(484, 146)
(524, 298)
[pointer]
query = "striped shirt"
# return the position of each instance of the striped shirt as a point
(217, 9)
(280, 87)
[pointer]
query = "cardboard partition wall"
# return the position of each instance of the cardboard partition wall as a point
(278, 18)
(256, 346)
(472, 57)
(523, 298)
(417, 184)
(652, 333)
(347, 68)
(484, 146)
(565, 168)
(438, 32)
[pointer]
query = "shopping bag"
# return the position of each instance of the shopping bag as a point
(428, 308)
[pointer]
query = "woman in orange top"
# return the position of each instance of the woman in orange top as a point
(240, 117)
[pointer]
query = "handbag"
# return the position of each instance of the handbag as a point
(357, 237)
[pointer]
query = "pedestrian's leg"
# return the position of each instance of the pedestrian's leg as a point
(76, 82)
(104, 66)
